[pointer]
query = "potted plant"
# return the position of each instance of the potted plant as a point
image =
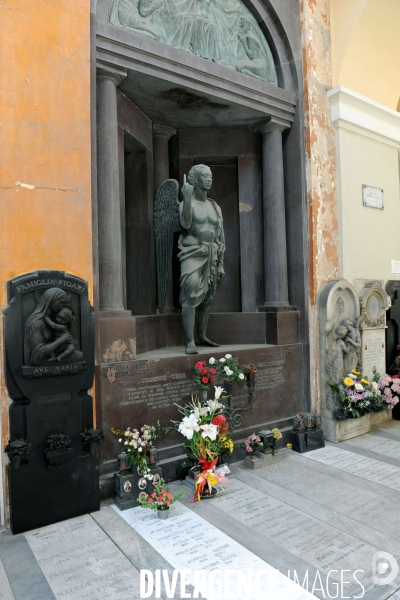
(205, 428)
(160, 499)
(92, 437)
(58, 451)
(17, 450)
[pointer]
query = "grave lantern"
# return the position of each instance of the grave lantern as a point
(267, 438)
(298, 424)
(308, 421)
(122, 465)
(153, 457)
(317, 420)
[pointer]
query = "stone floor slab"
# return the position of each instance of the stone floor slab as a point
(80, 561)
(6, 592)
(192, 543)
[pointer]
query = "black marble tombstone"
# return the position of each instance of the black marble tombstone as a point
(49, 340)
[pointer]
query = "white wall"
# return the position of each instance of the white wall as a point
(367, 142)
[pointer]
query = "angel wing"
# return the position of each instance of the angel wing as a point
(166, 222)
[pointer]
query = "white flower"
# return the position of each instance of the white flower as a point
(241, 376)
(200, 411)
(218, 392)
(214, 404)
(139, 449)
(120, 440)
(210, 431)
(212, 360)
(228, 355)
(188, 426)
(226, 369)
(359, 387)
(374, 385)
(352, 376)
(229, 372)
(222, 360)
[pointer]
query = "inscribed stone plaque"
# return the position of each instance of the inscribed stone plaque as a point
(372, 196)
(144, 391)
(187, 541)
(359, 466)
(373, 352)
(80, 561)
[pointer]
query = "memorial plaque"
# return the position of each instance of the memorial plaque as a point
(80, 561)
(189, 542)
(320, 545)
(49, 338)
(373, 352)
(144, 391)
(360, 466)
(360, 505)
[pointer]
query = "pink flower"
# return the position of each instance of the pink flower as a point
(388, 392)
(358, 396)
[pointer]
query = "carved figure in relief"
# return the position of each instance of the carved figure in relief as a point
(223, 31)
(70, 350)
(255, 64)
(201, 245)
(134, 13)
(339, 350)
(353, 343)
(40, 344)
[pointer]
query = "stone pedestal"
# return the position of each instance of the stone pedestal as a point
(259, 460)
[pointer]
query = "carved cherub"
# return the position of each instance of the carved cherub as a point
(353, 343)
(65, 318)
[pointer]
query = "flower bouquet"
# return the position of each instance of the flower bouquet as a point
(137, 444)
(252, 443)
(227, 369)
(204, 376)
(160, 499)
(358, 396)
(390, 390)
(206, 430)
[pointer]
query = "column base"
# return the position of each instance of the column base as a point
(282, 324)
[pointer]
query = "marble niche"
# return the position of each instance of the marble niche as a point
(352, 336)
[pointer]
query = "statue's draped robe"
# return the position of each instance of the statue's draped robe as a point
(200, 266)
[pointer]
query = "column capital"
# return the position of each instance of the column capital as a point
(109, 73)
(163, 131)
(271, 124)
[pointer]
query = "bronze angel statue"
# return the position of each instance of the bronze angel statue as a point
(201, 245)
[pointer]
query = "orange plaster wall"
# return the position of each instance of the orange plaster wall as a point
(45, 142)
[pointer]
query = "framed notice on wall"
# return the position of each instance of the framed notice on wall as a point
(372, 196)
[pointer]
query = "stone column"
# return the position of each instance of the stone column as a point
(109, 211)
(275, 255)
(161, 136)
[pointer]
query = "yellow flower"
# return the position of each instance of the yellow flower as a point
(289, 446)
(277, 433)
(355, 372)
(365, 381)
(348, 381)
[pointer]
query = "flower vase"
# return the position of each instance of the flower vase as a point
(92, 448)
(16, 462)
(162, 513)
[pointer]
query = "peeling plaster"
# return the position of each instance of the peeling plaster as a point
(30, 186)
(243, 207)
(119, 351)
(321, 167)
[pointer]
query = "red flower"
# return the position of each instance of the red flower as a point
(222, 423)
(212, 378)
(204, 380)
(199, 365)
(213, 371)
(203, 371)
